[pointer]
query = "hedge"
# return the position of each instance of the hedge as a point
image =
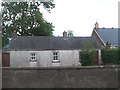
(110, 56)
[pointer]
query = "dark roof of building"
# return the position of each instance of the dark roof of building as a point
(109, 35)
(47, 43)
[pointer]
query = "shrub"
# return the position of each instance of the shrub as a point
(110, 56)
(87, 57)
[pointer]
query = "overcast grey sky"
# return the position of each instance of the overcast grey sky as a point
(81, 15)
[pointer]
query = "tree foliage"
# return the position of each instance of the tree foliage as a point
(87, 45)
(87, 53)
(108, 45)
(26, 19)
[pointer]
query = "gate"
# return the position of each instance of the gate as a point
(96, 57)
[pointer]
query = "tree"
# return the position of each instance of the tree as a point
(26, 19)
(107, 45)
(87, 53)
(87, 45)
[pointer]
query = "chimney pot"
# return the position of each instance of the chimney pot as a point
(64, 34)
(96, 25)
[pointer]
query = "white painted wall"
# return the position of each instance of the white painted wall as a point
(44, 58)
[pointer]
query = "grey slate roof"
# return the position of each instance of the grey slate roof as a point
(109, 35)
(47, 43)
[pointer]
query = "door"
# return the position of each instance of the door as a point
(96, 57)
(5, 59)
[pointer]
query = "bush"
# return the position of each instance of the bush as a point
(87, 57)
(110, 56)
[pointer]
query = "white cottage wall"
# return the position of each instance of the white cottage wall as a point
(69, 57)
(44, 58)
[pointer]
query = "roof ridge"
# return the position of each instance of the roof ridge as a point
(59, 36)
(108, 28)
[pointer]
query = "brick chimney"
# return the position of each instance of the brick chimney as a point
(96, 25)
(64, 34)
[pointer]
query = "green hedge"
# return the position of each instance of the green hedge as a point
(110, 56)
(87, 57)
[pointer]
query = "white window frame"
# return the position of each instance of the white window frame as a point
(56, 57)
(33, 57)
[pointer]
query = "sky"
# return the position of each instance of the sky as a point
(81, 15)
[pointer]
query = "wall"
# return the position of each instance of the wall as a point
(72, 77)
(44, 58)
(97, 39)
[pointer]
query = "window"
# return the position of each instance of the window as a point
(55, 56)
(33, 57)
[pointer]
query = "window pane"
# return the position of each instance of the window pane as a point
(33, 55)
(32, 58)
(53, 58)
(56, 57)
(56, 53)
(53, 53)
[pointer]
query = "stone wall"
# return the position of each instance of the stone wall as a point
(67, 77)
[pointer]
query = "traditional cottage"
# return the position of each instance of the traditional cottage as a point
(50, 51)
(44, 51)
